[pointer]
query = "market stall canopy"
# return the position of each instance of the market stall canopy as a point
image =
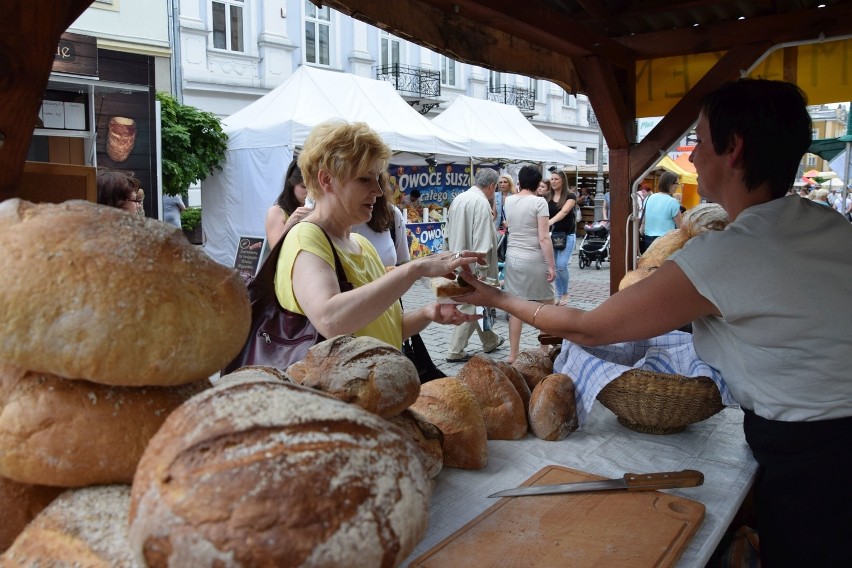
(670, 165)
(500, 132)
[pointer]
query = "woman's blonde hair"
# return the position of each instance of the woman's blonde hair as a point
(342, 149)
(511, 183)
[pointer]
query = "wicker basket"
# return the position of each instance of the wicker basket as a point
(659, 403)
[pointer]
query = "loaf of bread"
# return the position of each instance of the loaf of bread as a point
(268, 473)
(533, 365)
(90, 292)
(251, 373)
(502, 407)
(450, 405)
(634, 276)
(553, 408)
(77, 433)
(20, 503)
(82, 527)
(704, 217)
(447, 288)
(361, 370)
(428, 438)
(517, 380)
(662, 248)
(121, 137)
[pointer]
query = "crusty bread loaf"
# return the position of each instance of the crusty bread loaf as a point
(553, 408)
(20, 503)
(82, 527)
(90, 292)
(502, 407)
(533, 365)
(251, 373)
(518, 381)
(704, 217)
(450, 405)
(634, 276)
(428, 438)
(77, 433)
(446, 288)
(363, 371)
(121, 137)
(662, 248)
(275, 474)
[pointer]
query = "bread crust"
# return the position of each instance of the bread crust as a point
(90, 292)
(20, 503)
(77, 433)
(662, 248)
(446, 288)
(553, 408)
(534, 366)
(502, 407)
(267, 473)
(428, 438)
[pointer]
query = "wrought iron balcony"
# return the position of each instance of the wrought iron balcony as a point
(590, 115)
(522, 98)
(412, 82)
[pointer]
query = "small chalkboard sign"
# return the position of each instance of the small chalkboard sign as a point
(249, 253)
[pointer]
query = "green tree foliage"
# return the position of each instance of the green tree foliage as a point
(190, 218)
(193, 144)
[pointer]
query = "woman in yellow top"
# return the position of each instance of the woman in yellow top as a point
(340, 164)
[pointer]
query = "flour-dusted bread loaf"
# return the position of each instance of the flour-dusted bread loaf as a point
(553, 408)
(428, 438)
(268, 473)
(121, 137)
(502, 407)
(360, 370)
(533, 365)
(20, 503)
(634, 276)
(450, 405)
(251, 373)
(704, 217)
(82, 527)
(90, 292)
(77, 433)
(662, 248)
(518, 381)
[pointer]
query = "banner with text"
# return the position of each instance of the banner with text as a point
(438, 185)
(425, 239)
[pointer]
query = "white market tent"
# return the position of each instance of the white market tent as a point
(502, 133)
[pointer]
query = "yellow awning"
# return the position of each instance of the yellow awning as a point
(685, 177)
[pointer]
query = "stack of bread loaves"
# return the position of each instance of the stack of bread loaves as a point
(699, 219)
(109, 322)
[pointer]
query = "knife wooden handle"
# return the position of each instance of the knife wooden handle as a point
(663, 480)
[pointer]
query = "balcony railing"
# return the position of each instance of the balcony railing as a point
(411, 81)
(522, 98)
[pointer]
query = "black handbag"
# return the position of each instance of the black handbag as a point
(559, 239)
(416, 351)
(278, 337)
(502, 245)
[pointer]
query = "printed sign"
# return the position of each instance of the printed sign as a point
(438, 185)
(249, 252)
(425, 239)
(76, 54)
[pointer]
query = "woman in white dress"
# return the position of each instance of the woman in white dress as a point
(530, 264)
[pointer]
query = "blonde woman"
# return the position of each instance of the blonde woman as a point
(505, 188)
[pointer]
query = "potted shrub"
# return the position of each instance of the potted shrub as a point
(190, 220)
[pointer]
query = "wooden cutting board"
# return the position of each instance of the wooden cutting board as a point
(601, 528)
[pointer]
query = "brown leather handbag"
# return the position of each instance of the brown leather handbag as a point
(278, 337)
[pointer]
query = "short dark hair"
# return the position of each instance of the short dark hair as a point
(529, 178)
(415, 194)
(772, 119)
(115, 186)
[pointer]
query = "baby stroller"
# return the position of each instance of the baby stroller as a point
(595, 245)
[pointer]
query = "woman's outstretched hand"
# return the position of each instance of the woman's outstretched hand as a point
(446, 263)
(483, 294)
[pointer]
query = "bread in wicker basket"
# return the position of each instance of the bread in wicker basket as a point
(660, 403)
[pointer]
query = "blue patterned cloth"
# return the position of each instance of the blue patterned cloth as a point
(592, 368)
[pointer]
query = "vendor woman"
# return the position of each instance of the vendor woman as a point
(783, 354)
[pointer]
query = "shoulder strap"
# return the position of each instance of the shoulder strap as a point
(270, 265)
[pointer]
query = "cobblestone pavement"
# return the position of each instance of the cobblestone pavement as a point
(588, 287)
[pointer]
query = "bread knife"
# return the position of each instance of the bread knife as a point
(630, 482)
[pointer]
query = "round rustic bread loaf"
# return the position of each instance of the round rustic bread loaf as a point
(553, 408)
(268, 473)
(77, 433)
(82, 527)
(20, 503)
(450, 405)
(360, 370)
(662, 248)
(428, 438)
(704, 217)
(533, 365)
(502, 407)
(518, 381)
(90, 292)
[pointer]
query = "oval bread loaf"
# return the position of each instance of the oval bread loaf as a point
(502, 407)
(518, 381)
(704, 217)
(90, 292)
(267, 473)
(20, 503)
(428, 438)
(82, 527)
(553, 408)
(534, 366)
(77, 433)
(662, 248)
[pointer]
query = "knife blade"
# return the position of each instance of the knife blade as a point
(630, 482)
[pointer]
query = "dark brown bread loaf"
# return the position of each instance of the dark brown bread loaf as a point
(502, 407)
(518, 381)
(90, 292)
(75, 433)
(82, 527)
(428, 438)
(268, 473)
(20, 503)
(450, 405)
(360, 370)
(553, 408)
(533, 365)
